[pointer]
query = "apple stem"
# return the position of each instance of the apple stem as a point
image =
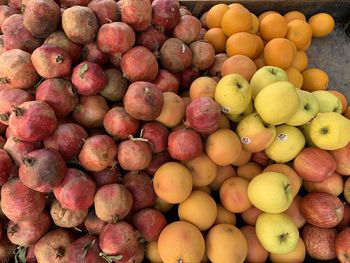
(283, 237)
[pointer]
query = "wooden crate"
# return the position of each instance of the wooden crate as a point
(331, 53)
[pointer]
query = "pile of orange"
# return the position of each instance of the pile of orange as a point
(273, 39)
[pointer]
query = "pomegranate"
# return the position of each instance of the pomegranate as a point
(67, 218)
(93, 224)
(187, 29)
(85, 249)
(165, 14)
(152, 38)
(17, 149)
(137, 13)
(116, 86)
(157, 136)
(158, 160)
(106, 11)
(166, 81)
(76, 191)
(110, 175)
(98, 153)
(5, 166)
(92, 53)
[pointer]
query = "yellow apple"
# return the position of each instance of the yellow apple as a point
(239, 117)
(295, 256)
(327, 101)
(308, 108)
(277, 233)
(270, 192)
(265, 76)
(305, 129)
(254, 133)
(330, 131)
(233, 93)
(289, 141)
(277, 102)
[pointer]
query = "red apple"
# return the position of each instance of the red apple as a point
(314, 164)
(322, 209)
(256, 252)
(346, 191)
(342, 158)
(319, 242)
(346, 218)
(261, 158)
(294, 211)
(333, 184)
(342, 246)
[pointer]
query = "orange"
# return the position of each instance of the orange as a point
(259, 62)
(295, 77)
(236, 20)
(280, 52)
(347, 112)
(299, 32)
(293, 15)
(307, 46)
(262, 15)
(255, 24)
(315, 79)
(241, 43)
(273, 26)
(215, 15)
(239, 64)
(300, 61)
(237, 5)
(342, 99)
(217, 38)
(259, 46)
(321, 24)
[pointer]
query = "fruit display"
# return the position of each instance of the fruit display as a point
(134, 131)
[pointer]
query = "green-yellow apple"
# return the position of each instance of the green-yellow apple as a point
(295, 256)
(289, 141)
(254, 133)
(305, 129)
(330, 131)
(238, 117)
(277, 102)
(327, 101)
(277, 233)
(308, 108)
(270, 192)
(265, 76)
(233, 93)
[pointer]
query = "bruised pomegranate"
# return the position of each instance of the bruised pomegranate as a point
(5, 12)
(60, 39)
(80, 24)
(42, 170)
(158, 160)
(5, 166)
(92, 53)
(19, 202)
(115, 38)
(14, 63)
(143, 101)
(93, 224)
(203, 55)
(59, 94)
(119, 239)
(184, 144)
(113, 202)
(175, 56)
(85, 250)
(141, 188)
(139, 64)
(27, 232)
(152, 38)
(51, 61)
(76, 191)
(203, 115)
(134, 154)
(165, 14)
(116, 86)
(110, 175)
(89, 78)
(90, 111)
(17, 149)
(137, 13)
(157, 136)
(187, 29)
(10, 98)
(53, 246)
(68, 218)
(166, 81)
(149, 222)
(119, 124)
(68, 139)
(33, 121)
(16, 36)
(98, 153)
(106, 11)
